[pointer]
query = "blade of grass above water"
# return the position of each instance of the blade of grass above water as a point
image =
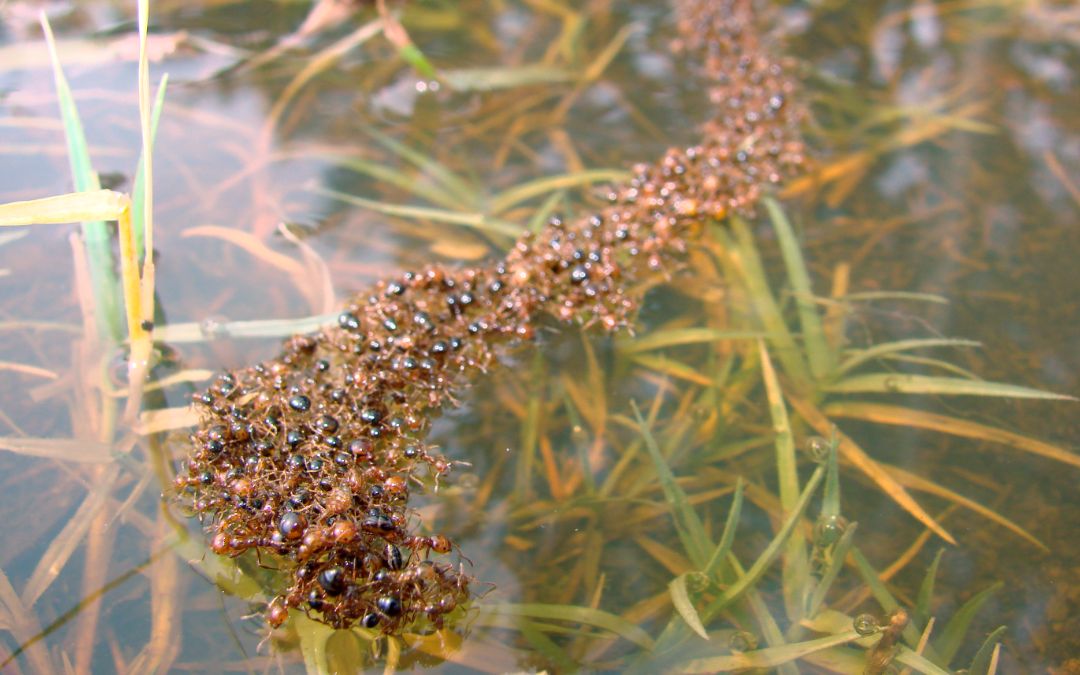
(109, 317)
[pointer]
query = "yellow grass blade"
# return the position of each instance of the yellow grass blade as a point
(917, 482)
(863, 462)
(74, 207)
(909, 417)
(64, 449)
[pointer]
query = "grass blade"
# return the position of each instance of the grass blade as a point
(863, 462)
(680, 598)
(899, 346)
(948, 643)
(68, 450)
(474, 220)
(140, 209)
(743, 254)
(491, 79)
(767, 556)
(836, 563)
(85, 179)
(796, 568)
(926, 589)
(898, 383)
(681, 336)
(916, 482)
(511, 197)
(70, 208)
(691, 531)
(448, 179)
(573, 614)
(818, 353)
(727, 539)
(918, 662)
(910, 417)
(980, 664)
(768, 657)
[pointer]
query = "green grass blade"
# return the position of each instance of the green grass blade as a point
(680, 598)
(926, 589)
(475, 220)
(448, 179)
(767, 658)
(899, 346)
(106, 285)
(836, 563)
(770, 553)
(897, 383)
(689, 526)
(679, 337)
(766, 622)
(542, 214)
(495, 78)
(139, 208)
(950, 640)
(818, 353)
(727, 539)
(980, 664)
(882, 594)
(743, 252)
(796, 567)
(918, 662)
(574, 614)
(955, 426)
(390, 176)
(511, 197)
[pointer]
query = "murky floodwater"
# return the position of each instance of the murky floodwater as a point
(949, 159)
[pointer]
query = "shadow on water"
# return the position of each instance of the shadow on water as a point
(948, 171)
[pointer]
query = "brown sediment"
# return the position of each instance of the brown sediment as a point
(310, 456)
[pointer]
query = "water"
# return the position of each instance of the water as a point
(964, 186)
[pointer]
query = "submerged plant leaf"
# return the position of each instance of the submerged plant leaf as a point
(768, 657)
(573, 614)
(680, 598)
(876, 351)
(955, 426)
(511, 197)
(980, 664)
(504, 77)
(948, 643)
(898, 383)
(475, 220)
(926, 588)
(64, 449)
(873, 470)
(691, 531)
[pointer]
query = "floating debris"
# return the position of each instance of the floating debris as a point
(310, 456)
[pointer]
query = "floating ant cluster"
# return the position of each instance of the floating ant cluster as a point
(311, 456)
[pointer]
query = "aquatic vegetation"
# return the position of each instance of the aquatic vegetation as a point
(306, 463)
(310, 456)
